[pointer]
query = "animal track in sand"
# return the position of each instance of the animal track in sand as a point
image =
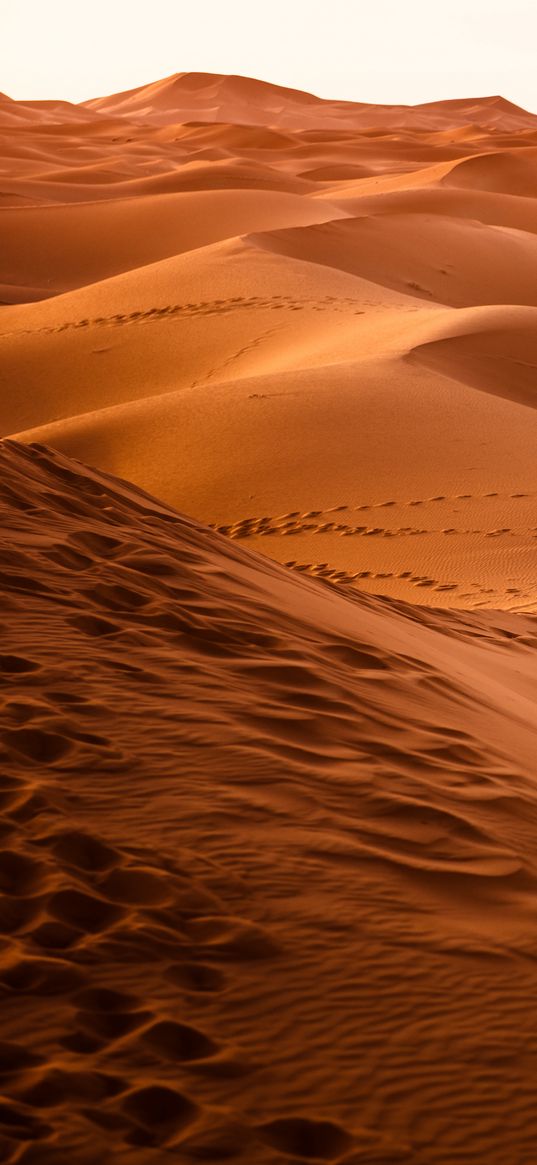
(256, 343)
(16, 664)
(72, 902)
(297, 522)
(306, 1139)
(100, 904)
(480, 595)
(321, 521)
(202, 308)
(326, 573)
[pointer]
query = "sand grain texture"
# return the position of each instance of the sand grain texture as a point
(268, 859)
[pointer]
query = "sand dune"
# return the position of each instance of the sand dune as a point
(69, 246)
(502, 173)
(275, 392)
(352, 874)
(478, 206)
(492, 349)
(189, 96)
(451, 261)
(268, 771)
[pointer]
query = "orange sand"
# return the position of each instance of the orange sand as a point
(269, 858)
(268, 832)
(259, 306)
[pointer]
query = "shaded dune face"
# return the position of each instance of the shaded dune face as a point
(308, 323)
(268, 861)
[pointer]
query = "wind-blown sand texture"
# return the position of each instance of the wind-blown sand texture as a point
(268, 855)
(268, 850)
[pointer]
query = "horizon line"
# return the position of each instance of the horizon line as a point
(274, 85)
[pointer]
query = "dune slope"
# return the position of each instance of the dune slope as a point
(308, 323)
(268, 851)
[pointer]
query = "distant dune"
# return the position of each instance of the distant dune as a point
(269, 860)
(241, 100)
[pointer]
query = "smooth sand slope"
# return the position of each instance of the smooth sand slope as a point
(268, 860)
(310, 324)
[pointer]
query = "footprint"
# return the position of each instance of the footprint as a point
(63, 555)
(118, 598)
(37, 745)
(42, 977)
(21, 1125)
(54, 936)
(57, 1086)
(93, 625)
(302, 1137)
(151, 564)
(15, 1058)
(105, 999)
(159, 1109)
(196, 977)
(232, 938)
(84, 911)
(82, 851)
(101, 544)
(18, 913)
(17, 664)
(111, 1025)
(178, 1041)
(19, 875)
(82, 1043)
(225, 1142)
(133, 885)
(13, 792)
(357, 657)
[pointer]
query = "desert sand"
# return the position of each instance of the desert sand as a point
(288, 317)
(268, 861)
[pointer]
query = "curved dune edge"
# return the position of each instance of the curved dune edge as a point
(238, 958)
(493, 350)
(502, 172)
(65, 247)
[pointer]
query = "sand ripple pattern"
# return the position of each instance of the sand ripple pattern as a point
(327, 522)
(267, 886)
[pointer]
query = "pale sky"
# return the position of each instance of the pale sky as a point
(393, 51)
